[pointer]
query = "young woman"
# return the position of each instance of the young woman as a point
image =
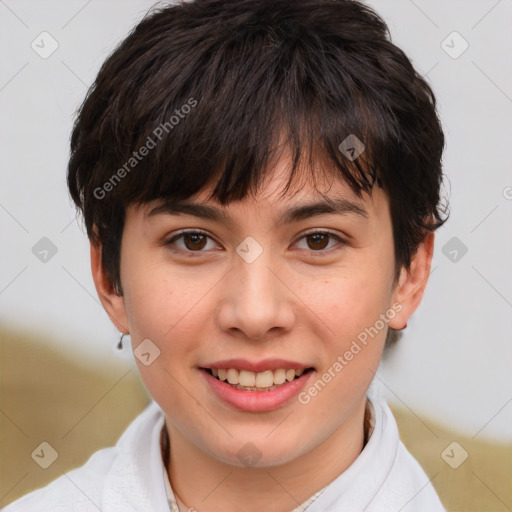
(260, 185)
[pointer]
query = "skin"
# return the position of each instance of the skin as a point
(292, 302)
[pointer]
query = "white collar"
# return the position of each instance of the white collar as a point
(384, 476)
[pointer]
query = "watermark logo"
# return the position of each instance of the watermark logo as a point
(44, 250)
(454, 455)
(249, 250)
(146, 352)
(352, 147)
(249, 454)
(454, 249)
(44, 45)
(454, 45)
(137, 156)
(344, 359)
(45, 455)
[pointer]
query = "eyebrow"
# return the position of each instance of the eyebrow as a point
(328, 205)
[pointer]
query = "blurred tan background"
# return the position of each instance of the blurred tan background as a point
(80, 409)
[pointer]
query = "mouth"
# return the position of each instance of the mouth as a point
(267, 380)
(256, 386)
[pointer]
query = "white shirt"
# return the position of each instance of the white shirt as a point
(130, 477)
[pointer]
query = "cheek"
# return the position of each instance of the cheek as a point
(351, 346)
(168, 313)
(351, 303)
(351, 307)
(171, 310)
(159, 301)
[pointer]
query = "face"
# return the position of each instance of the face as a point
(261, 288)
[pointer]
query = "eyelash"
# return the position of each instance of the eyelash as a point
(192, 254)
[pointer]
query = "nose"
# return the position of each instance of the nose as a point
(256, 301)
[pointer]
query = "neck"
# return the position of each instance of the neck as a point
(207, 484)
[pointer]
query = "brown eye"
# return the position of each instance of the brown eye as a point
(190, 242)
(194, 241)
(318, 241)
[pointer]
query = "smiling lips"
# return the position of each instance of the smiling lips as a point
(256, 381)
(265, 375)
(263, 390)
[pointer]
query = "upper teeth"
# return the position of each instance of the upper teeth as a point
(259, 380)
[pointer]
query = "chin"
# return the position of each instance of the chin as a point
(257, 454)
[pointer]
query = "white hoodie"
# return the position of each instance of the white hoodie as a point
(130, 477)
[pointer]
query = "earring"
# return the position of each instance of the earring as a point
(120, 344)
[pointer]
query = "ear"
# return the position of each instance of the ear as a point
(412, 283)
(111, 301)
